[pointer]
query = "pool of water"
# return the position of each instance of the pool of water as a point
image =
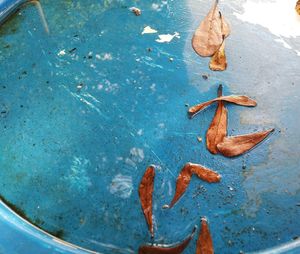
(88, 106)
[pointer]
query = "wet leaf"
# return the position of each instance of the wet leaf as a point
(241, 100)
(218, 61)
(208, 37)
(298, 7)
(185, 176)
(163, 249)
(218, 127)
(145, 193)
(204, 243)
(237, 145)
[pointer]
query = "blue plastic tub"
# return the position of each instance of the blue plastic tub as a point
(87, 102)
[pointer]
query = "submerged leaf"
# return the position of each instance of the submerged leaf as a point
(208, 36)
(204, 243)
(298, 7)
(218, 127)
(163, 249)
(145, 193)
(237, 145)
(185, 176)
(218, 61)
(241, 100)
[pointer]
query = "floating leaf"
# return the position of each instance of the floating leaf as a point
(241, 100)
(163, 249)
(237, 145)
(225, 27)
(145, 193)
(298, 7)
(185, 176)
(204, 243)
(208, 36)
(218, 127)
(218, 61)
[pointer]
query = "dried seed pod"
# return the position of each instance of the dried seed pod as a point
(241, 100)
(204, 243)
(163, 249)
(218, 127)
(237, 145)
(185, 176)
(145, 192)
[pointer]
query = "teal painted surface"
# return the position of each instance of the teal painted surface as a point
(88, 107)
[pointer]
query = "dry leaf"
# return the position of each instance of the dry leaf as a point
(145, 193)
(225, 26)
(185, 176)
(237, 145)
(218, 127)
(209, 35)
(204, 243)
(298, 7)
(218, 61)
(241, 100)
(163, 249)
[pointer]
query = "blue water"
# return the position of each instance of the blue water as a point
(87, 107)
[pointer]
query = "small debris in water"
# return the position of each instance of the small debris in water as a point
(171, 59)
(205, 76)
(62, 52)
(80, 86)
(72, 50)
(167, 37)
(199, 139)
(149, 30)
(136, 11)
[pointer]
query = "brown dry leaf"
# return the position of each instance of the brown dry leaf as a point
(185, 176)
(225, 26)
(237, 145)
(241, 100)
(145, 193)
(218, 61)
(162, 249)
(208, 37)
(298, 7)
(218, 127)
(204, 243)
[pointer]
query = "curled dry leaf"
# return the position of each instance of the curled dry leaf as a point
(185, 176)
(241, 100)
(204, 243)
(163, 249)
(298, 7)
(218, 61)
(218, 127)
(237, 145)
(145, 193)
(208, 37)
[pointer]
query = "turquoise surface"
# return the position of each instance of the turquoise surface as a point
(86, 108)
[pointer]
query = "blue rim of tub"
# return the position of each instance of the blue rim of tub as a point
(35, 240)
